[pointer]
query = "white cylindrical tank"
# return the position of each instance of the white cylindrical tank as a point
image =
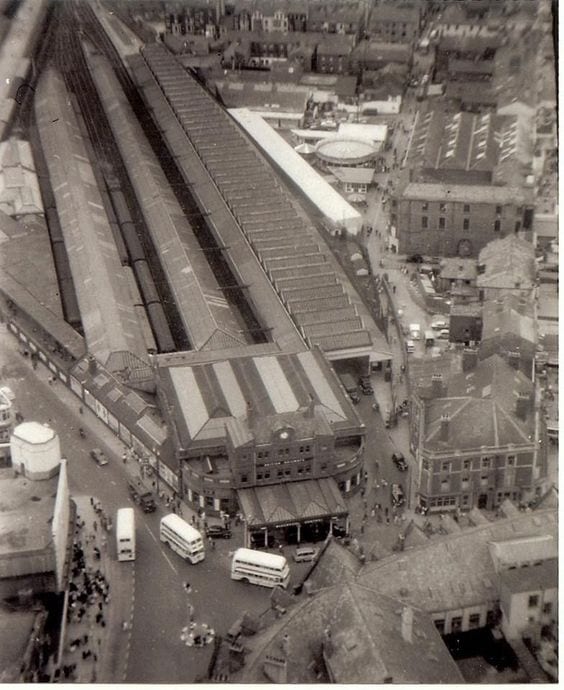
(36, 450)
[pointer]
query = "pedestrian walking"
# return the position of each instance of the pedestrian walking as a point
(188, 587)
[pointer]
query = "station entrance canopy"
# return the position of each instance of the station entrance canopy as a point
(292, 512)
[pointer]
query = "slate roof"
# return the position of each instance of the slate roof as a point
(508, 263)
(480, 405)
(366, 644)
(237, 168)
(456, 571)
(206, 396)
(476, 193)
(103, 286)
(534, 578)
(291, 501)
(509, 316)
(206, 316)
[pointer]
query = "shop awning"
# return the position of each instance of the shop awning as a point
(291, 503)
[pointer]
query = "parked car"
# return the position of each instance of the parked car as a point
(398, 495)
(415, 259)
(444, 334)
(305, 554)
(365, 385)
(218, 532)
(399, 461)
(99, 457)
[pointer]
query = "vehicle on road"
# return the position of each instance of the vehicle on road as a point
(305, 554)
(415, 331)
(399, 461)
(260, 568)
(444, 334)
(218, 532)
(125, 534)
(365, 385)
(415, 259)
(99, 457)
(398, 495)
(182, 538)
(429, 338)
(438, 323)
(409, 346)
(349, 384)
(141, 495)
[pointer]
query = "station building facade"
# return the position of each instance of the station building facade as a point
(274, 431)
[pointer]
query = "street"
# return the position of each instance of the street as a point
(156, 596)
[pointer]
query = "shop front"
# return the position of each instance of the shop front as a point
(292, 513)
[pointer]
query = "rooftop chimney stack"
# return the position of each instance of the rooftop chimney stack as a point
(523, 406)
(445, 421)
(514, 360)
(407, 624)
(310, 409)
(251, 414)
(437, 386)
(469, 358)
(92, 365)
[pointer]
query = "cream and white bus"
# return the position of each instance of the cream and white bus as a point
(260, 568)
(125, 534)
(182, 538)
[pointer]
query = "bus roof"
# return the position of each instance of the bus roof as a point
(181, 527)
(261, 557)
(125, 521)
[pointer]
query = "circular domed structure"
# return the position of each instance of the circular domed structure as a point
(36, 450)
(345, 150)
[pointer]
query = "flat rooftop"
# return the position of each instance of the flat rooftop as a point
(26, 512)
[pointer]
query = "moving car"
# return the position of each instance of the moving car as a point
(218, 532)
(444, 334)
(399, 461)
(305, 554)
(365, 385)
(99, 456)
(398, 495)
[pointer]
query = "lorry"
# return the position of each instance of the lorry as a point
(350, 385)
(141, 495)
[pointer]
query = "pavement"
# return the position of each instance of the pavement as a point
(97, 635)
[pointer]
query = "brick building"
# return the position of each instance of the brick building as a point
(465, 183)
(262, 422)
(395, 23)
(476, 437)
(336, 18)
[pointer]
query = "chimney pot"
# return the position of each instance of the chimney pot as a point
(514, 359)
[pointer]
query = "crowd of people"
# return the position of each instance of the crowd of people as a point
(89, 594)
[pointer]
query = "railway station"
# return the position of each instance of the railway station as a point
(264, 211)
(259, 421)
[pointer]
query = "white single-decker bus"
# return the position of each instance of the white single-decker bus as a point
(125, 534)
(260, 568)
(182, 538)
